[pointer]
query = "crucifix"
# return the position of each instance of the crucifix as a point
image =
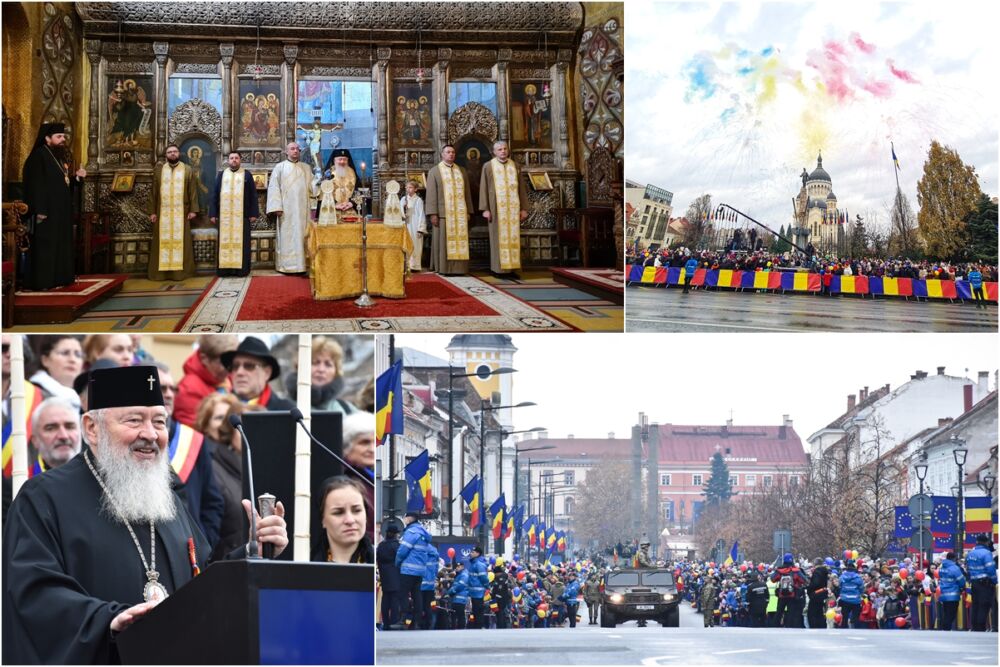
(150, 380)
(314, 137)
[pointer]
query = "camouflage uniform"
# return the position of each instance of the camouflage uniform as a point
(592, 596)
(643, 559)
(708, 600)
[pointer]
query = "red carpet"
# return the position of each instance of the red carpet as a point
(65, 304)
(289, 298)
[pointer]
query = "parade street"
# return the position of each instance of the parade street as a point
(658, 309)
(690, 643)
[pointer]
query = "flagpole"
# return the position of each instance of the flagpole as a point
(899, 194)
(392, 442)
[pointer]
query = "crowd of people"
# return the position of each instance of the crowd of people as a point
(762, 260)
(421, 588)
(223, 376)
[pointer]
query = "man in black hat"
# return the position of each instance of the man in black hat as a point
(251, 367)
(340, 169)
(93, 545)
(48, 191)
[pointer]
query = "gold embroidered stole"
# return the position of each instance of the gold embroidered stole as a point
(231, 219)
(172, 217)
(456, 215)
(508, 213)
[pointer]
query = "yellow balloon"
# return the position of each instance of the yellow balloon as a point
(541, 613)
(854, 554)
(830, 613)
(500, 562)
(491, 576)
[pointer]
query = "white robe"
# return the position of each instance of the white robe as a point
(291, 190)
(416, 222)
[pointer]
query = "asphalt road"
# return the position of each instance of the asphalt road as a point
(690, 643)
(657, 309)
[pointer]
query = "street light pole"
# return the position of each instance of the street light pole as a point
(960, 453)
(921, 470)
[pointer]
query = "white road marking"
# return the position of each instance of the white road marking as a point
(742, 650)
(691, 323)
(615, 636)
(654, 661)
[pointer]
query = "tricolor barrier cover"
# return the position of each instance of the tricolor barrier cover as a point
(800, 281)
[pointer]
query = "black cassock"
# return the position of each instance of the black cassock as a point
(51, 260)
(68, 569)
(251, 209)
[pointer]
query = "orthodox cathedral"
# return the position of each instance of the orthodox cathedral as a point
(817, 220)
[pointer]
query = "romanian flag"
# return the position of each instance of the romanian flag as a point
(733, 554)
(895, 160)
(183, 449)
(418, 481)
(389, 402)
(977, 515)
(497, 512)
(550, 541)
(529, 528)
(561, 542)
(32, 397)
(541, 534)
(472, 495)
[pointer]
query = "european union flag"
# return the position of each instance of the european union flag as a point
(944, 514)
(904, 522)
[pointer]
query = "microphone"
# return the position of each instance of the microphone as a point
(253, 547)
(297, 416)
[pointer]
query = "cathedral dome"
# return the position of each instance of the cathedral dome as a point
(831, 196)
(819, 174)
(817, 203)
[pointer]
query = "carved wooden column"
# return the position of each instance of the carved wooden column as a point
(226, 50)
(560, 88)
(383, 54)
(92, 47)
(160, 50)
(503, 94)
(441, 97)
(291, 52)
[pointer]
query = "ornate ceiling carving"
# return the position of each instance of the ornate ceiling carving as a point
(515, 22)
(195, 116)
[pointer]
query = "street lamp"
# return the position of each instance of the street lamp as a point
(451, 426)
(517, 473)
(960, 453)
(987, 484)
(484, 408)
(921, 470)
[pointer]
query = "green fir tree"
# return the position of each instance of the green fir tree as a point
(717, 489)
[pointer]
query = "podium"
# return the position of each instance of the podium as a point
(261, 612)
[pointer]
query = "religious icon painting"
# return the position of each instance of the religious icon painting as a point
(412, 115)
(472, 153)
(199, 153)
(259, 112)
(123, 182)
(129, 113)
(530, 115)
(540, 181)
(260, 179)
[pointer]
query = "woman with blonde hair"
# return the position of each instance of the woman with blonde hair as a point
(326, 381)
(113, 347)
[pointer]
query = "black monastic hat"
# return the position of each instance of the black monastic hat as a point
(124, 387)
(341, 152)
(47, 130)
(252, 347)
(81, 381)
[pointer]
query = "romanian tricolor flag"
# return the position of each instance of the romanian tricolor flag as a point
(977, 515)
(497, 512)
(183, 449)
(550, 541)
(529, 528)
(733, 553)
(541, 534)
(472, 495)
(32, 397)
(511, 519)
(418, 481)
(561, 541)
(389, 402)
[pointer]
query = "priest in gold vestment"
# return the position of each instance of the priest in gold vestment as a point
(503, 199)
(449, 206)
(234, 208)
(174, 203)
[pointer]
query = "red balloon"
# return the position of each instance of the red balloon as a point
(543, 606)
(904, 573)
(761, 567)
(838, 619)
(847, 554)
(919, 575)
(520, 575)
(712, 564)
(451, 552)
(743, 568)
(900, 622)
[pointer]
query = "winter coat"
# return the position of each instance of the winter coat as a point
(851, 587)
(411, 558)
(980, 564)
(459, 590)
(431, 571)
(952, 581)
(478, 578)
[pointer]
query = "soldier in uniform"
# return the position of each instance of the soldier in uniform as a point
(708, 599)
(643, 557)
(592, 595)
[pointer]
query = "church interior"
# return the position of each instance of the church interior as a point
(391, 82)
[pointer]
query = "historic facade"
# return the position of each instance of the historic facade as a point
(816, 219)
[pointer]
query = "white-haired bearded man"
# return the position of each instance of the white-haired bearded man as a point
(92, 546)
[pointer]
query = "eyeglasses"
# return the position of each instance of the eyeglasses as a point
(248, 365)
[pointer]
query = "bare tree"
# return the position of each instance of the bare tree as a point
(598, 518)
(876, 480)
(698, 227)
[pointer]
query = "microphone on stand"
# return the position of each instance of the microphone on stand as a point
(297, 416)
(253, 547)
